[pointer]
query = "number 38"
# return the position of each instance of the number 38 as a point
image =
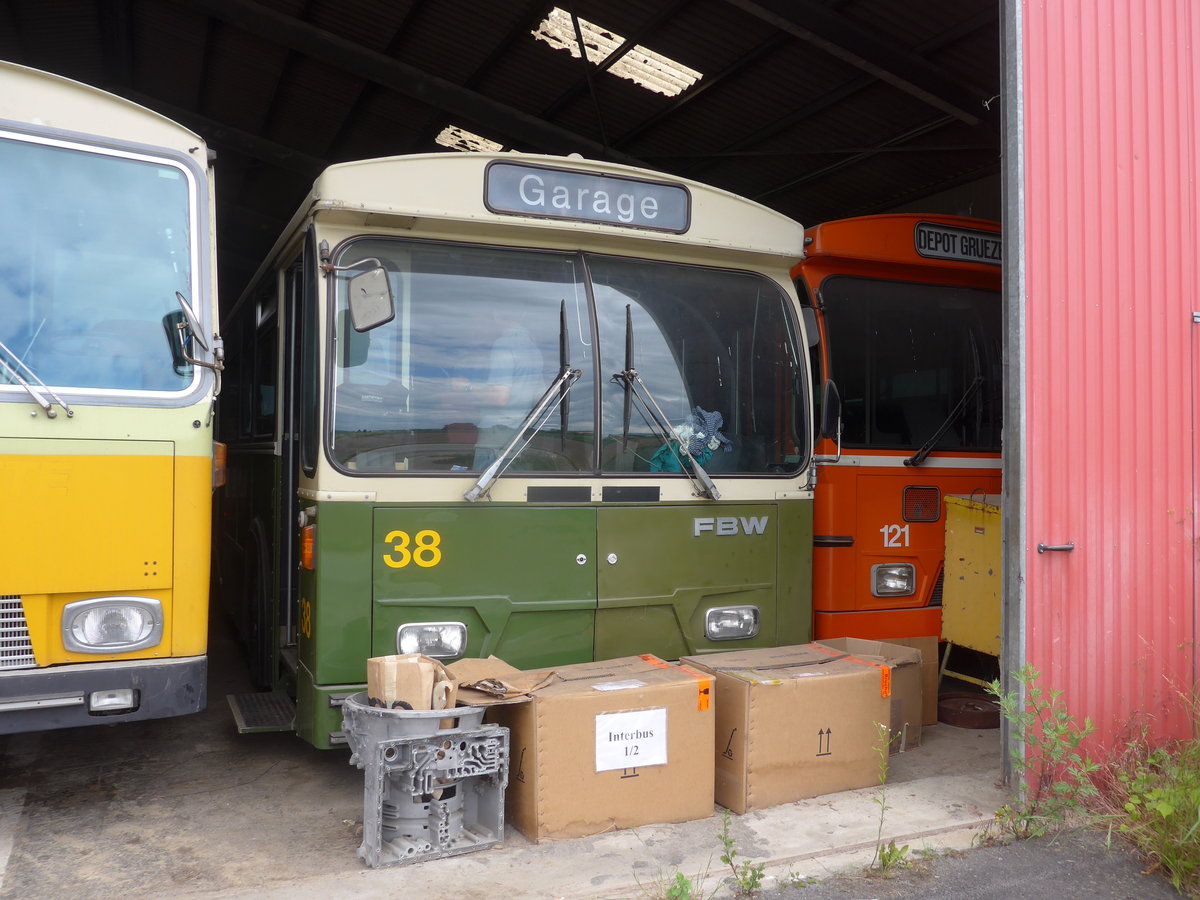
(424, 549)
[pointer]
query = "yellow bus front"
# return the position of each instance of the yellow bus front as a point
(107, 350)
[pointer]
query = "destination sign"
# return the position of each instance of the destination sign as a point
(959, 244)
(526, 190)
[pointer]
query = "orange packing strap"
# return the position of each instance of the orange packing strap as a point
(655, 661)
(885, 671)
(704, 692)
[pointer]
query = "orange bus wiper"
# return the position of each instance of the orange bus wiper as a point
(919, 457)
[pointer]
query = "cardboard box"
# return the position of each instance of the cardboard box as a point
(931, 666)
(409, 681)
(607, 745)
(907, 686)
(794, 722)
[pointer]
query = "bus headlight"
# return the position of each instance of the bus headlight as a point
(728, 623)
(116, 701)
(440, 640)
(112, 624)
(893, 579)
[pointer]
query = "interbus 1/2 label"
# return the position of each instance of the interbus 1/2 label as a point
(958, 244)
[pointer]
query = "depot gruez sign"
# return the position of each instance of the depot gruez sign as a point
(960, 244)
(526, 190)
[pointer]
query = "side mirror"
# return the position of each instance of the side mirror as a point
(831, 412)
(179, 334)
(811, 328)
(183, 328)
(831, 421)
(369, 298)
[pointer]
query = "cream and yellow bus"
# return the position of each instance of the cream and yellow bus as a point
(109, 368)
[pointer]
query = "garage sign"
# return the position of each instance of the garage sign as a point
(551, 193)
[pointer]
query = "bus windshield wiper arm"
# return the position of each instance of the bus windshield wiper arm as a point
(12, 366)
(637, 393)
(534, 421)
(919, 457)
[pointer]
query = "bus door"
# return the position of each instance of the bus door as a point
(523, 579)
(662, 571)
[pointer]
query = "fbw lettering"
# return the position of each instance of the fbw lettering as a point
(723, 526)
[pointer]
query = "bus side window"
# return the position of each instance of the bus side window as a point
(264, 380)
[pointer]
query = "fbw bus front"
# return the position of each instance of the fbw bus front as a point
(545, 408)
(908, 311)
(107, 383)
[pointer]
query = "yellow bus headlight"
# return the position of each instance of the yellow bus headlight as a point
(112, 624)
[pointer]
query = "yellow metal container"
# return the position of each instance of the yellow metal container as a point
(971, 589)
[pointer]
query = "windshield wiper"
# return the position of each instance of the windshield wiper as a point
(13, 366)
(564, 363)
(637, 393)
(534, 421)
(919, 457)
(555, 396)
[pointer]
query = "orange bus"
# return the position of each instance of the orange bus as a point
(908, 313)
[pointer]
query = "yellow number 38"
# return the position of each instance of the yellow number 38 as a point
(424, 549)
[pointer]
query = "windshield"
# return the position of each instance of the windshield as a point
(94, 248)
(480, 333)
(904, 355)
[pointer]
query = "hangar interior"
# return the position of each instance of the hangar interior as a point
(820, 109)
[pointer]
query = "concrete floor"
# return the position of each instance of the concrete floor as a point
(187, 807)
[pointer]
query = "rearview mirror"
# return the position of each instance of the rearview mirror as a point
(369, 297)
(831, 422)
(179, 333)
(831, 412)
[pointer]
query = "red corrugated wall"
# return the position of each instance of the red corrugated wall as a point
(1110, 365)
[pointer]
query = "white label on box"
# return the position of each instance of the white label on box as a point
(630, 740)
(619, 685)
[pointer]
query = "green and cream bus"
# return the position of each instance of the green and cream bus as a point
(542, 408)
(109, 368)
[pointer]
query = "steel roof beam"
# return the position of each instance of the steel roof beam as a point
(841, 38)
(519, 128)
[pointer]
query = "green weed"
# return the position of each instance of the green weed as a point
(1150, 793)
(1054, 776)
(888, 857)
(747, 877)
(676, 886)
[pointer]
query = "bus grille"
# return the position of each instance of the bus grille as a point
(922, 504)
(16, 651)
(935, 599)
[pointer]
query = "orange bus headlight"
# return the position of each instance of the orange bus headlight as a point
(112, 624)
(893, 579)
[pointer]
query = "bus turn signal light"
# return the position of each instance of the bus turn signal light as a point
(308, 541)
(220, 464)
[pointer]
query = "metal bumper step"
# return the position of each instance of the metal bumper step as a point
(262, 712)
